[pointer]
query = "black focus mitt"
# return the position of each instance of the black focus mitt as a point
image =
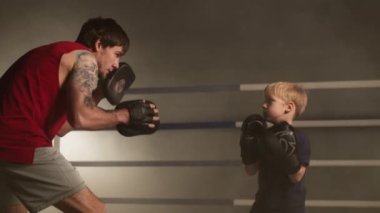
(117, 82)
(141, 114)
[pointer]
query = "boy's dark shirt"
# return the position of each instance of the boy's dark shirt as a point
(275, 188)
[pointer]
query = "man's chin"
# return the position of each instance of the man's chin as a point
(102, 76)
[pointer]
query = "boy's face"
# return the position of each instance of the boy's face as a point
(274, 109)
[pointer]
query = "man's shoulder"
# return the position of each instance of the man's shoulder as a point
(67, 45)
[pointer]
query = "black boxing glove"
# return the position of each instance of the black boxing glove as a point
(140, 116)
(117, 82)
(252, 129)
(280, 147)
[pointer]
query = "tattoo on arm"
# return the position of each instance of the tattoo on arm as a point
(85, 74)
(88, 101)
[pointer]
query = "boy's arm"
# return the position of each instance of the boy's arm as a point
(297, 177)
(303, 154)
(251, 169)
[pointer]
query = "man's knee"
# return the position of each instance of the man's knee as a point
(102, 207)
(19, 208)
(96, 207)
(82, 201)
(94, 203)
(99, 207)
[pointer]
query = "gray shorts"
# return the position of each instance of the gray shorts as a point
(50, 179)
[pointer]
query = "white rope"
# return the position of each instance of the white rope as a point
(323, 203)
(331, 123)
(321, 85)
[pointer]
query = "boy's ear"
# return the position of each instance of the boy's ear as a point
(290, 106)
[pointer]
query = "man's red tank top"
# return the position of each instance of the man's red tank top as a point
(32, 106)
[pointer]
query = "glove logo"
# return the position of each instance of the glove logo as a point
(119, 86)
(288, 141)
(117, 82)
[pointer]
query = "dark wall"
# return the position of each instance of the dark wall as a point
(178, 43)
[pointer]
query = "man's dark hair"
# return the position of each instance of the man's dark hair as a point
(106, 30)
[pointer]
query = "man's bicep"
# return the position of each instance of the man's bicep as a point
(85, 72)
(83, 78)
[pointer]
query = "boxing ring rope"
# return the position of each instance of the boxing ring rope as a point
(360, 84)
(239, 202)
(221, 163)
(300, 123)
(237, 163)
(323, 203)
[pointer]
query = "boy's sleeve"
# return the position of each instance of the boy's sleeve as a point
(303, 148)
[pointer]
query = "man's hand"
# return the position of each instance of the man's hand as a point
(143, 118)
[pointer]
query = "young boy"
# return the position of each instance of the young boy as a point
(280, 153)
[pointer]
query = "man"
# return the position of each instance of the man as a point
(49, 91)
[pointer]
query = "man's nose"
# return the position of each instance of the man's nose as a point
(116, 65)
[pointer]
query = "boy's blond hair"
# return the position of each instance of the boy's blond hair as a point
(289, 92)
